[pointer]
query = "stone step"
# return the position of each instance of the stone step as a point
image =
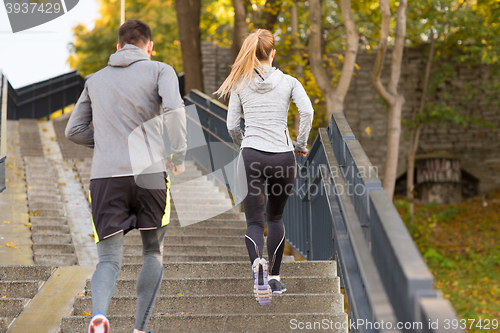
(194, 323)
(227, 285)
(33, 193)
(215, 223)
(209, 188)
(171, 270)
(12, 307)
(193, 182)
(196, 195)
(48, 212)
(199, 231)
(203, 209)
(47, 221)
(222, 304)
(39, 197)
(55, 259)
(44, 181)
(167, 248)
(200, 203)
(53, 248)
(190, 240)
(207, 216)
(19, 289)
(50, 188)
(37, 229)
(170, 257)
(51, 238)
(30, 272)
(43, 205)
(4, 324)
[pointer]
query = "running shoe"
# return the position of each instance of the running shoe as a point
(277, 287)
(261, 289)
(99, 323)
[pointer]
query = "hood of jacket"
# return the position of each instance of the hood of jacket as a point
(271, 79)
(127, 56)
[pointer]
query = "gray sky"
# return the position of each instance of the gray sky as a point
(41, 52)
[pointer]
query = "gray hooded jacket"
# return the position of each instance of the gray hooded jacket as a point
(119, 100)
(264, 103)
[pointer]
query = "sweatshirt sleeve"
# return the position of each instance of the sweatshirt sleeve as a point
(234, 114)
(77, 129)
(173, 112)
(306, 113)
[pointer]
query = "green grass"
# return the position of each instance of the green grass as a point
(461, 245)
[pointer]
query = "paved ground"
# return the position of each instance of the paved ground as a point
(13, 207)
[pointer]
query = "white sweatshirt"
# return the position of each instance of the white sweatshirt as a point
(265, 104)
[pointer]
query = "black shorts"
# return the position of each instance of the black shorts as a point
(119, 204)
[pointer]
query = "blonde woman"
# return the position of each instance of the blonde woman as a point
(267, 162)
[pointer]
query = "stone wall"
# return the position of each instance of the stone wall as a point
(478, 147)
(215, 61)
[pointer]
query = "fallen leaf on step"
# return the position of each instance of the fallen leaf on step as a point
(43, 232)
(11, 156)
(91, 235)
(80, 294)
(9, 165)
(77, 203)
(12, 186)
(208, 203)
(44, 130)
(53, 138)
(29, 187)
(85, 314)
(31, 243)
(62, 184)
(180, 294)
(18, 173)
(6, 222)
(7, 180)
(27, 224)
(4, 296)
(9, 147)
(10, 244)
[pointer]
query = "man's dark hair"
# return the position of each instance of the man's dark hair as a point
(134, 32)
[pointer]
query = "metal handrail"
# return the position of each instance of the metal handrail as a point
(3, 129)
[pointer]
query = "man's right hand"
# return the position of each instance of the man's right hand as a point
(176, 169)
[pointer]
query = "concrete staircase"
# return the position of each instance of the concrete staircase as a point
(18, 285)
(207, 284)
(52, 243)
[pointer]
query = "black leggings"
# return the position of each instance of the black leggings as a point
(255, 167)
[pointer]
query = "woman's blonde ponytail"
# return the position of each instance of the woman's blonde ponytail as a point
(256, 47)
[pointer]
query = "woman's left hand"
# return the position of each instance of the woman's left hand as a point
(301, 153)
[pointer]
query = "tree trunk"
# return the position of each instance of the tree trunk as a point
(334, 96)
(416, 130)
(188, 19)
(393, 135)
(299, 71)
(390, 95)
(240, 30)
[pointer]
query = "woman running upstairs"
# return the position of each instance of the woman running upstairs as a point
(266, 162)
